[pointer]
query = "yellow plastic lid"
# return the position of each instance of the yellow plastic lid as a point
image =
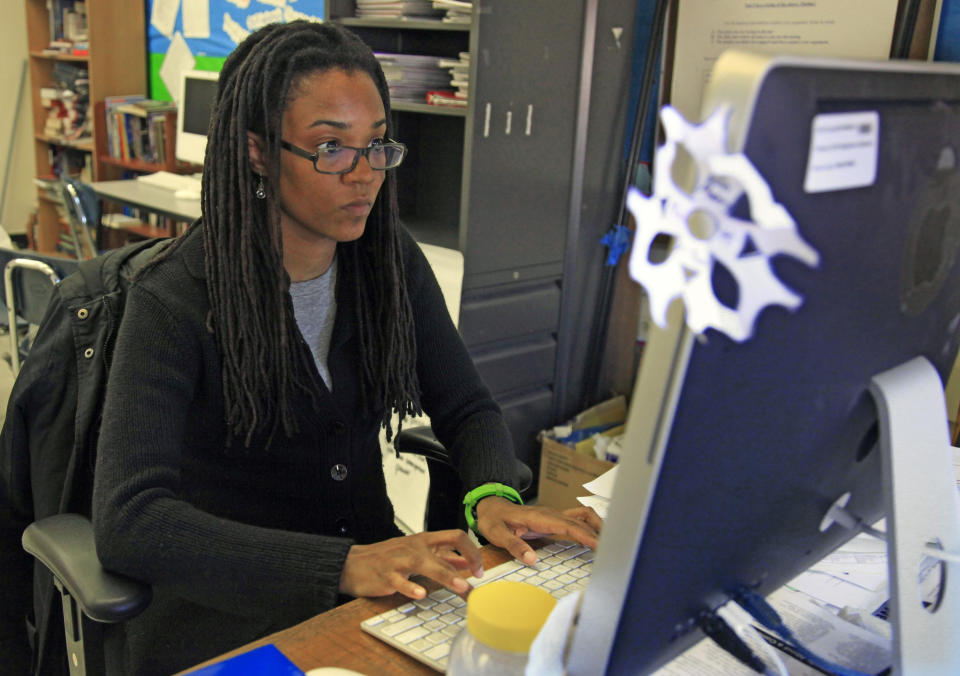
(508, 615)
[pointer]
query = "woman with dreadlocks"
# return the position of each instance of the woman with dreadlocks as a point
(239, 469)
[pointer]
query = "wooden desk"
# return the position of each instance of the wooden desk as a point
(334, 638)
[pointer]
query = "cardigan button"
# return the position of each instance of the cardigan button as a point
(83, 313)
(343, 527)
(338, 472)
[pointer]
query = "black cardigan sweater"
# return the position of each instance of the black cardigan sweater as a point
(242, 542)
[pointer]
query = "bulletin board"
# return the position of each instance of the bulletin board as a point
(199, 34)
(948, 35)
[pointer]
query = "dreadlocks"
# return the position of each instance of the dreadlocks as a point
(251, 313)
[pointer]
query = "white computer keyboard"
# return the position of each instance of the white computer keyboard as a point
(170, 181)
(426, 628)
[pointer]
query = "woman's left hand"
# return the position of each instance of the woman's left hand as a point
(506, 524)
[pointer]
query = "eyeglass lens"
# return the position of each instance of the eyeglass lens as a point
(344, 159)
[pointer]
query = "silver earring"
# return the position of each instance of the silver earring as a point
(260, 192)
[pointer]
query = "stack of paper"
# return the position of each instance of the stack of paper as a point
(601, 490)
(410, 77)
(458, 11)
(459, 78)
(395, 9)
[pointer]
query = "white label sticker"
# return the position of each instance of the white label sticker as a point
(843, 151)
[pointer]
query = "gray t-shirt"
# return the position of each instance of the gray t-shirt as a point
(315, 309)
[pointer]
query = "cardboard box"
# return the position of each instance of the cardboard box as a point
(563, 472)
(564, 469)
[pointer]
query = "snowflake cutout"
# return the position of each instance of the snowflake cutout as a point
(704, 233)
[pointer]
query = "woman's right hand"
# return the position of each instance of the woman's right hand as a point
(381, 569)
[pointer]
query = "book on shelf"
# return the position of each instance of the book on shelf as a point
(446, 98)
(395, 9)
(456, 11)
(143, 107)
(411, 76)
(136, 128)
(459, 70)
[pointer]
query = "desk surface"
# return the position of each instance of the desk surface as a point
(144, 196)
(335, 639)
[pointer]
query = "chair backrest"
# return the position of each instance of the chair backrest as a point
(83, 216)
(28, 281)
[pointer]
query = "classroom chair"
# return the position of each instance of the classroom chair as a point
(94, 598)
(83, 217)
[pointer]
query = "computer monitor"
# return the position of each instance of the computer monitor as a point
(198, 90)
(736, 449)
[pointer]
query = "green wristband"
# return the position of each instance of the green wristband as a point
(471, 499)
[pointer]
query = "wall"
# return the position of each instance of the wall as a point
(20, 196)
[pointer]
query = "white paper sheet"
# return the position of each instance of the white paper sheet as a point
(163, 16)
(178, 59)
(196, 18)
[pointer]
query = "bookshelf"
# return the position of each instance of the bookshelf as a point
(114, 57)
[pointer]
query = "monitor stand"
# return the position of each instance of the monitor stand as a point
(923, 507)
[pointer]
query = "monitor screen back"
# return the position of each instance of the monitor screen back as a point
(769, 432)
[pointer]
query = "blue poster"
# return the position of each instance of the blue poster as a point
(200, 33)
(948, 34)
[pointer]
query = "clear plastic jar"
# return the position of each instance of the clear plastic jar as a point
(503, 618)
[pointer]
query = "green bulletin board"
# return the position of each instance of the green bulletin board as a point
(199, 34)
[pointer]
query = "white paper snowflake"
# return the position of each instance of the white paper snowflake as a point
(744, 248)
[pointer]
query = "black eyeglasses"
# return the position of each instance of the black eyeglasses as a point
(336, 159)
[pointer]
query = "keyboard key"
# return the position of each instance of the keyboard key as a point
(401, 626)
(412, 635)
(434, 625)
(438, 651)
(437, 637)
(572, 552)
(441, 595)
(494, 573)
(421, 644)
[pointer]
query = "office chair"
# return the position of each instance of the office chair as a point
(94, 597)
(83, 217)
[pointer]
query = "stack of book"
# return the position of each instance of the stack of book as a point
(457, 11)
(410, 76)
(67, 103)
(458, 90)
(136, 128)
(395, 9)
(68, 27)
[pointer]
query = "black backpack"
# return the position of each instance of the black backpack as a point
(49, 437)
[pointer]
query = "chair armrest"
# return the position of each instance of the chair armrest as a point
(64, 544)
(421, 440)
